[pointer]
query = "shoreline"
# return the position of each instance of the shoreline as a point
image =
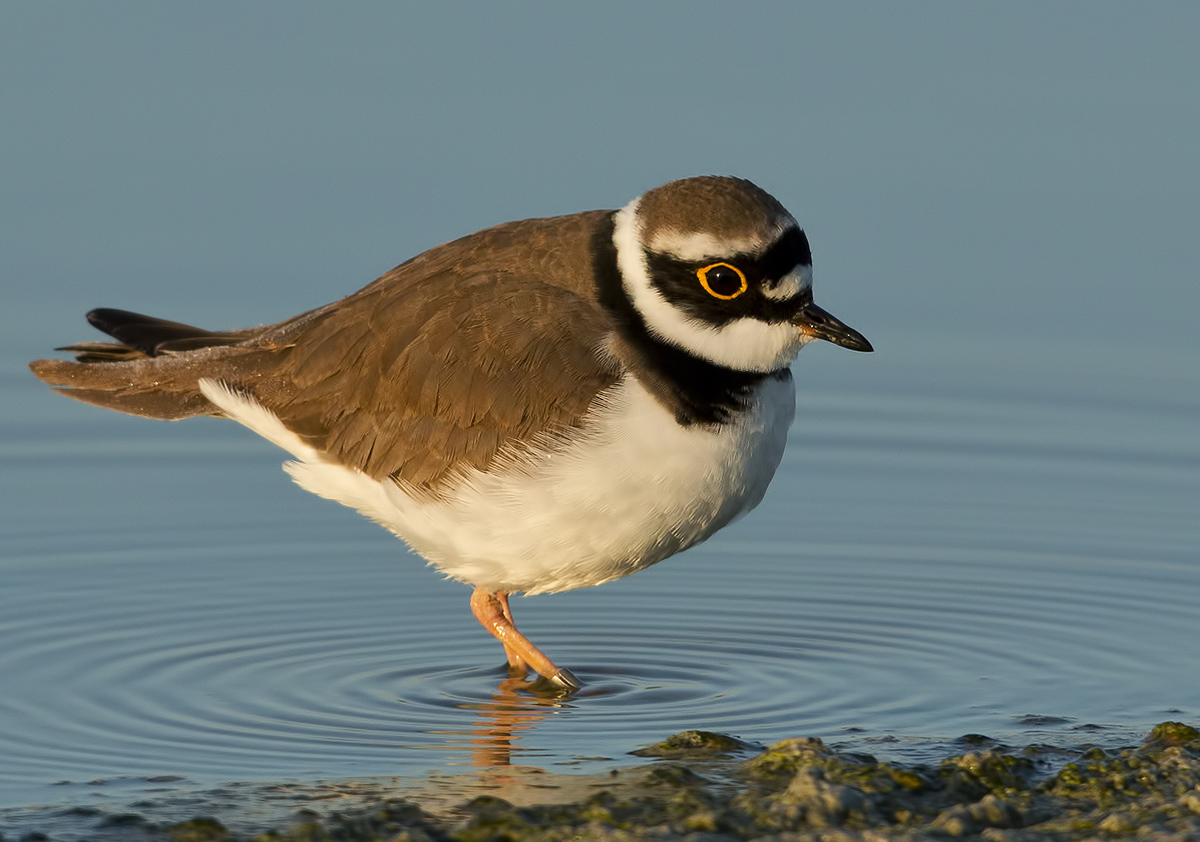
(705, 787)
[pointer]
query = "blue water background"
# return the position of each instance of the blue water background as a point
(990, 525)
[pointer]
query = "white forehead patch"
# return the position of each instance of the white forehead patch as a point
(700, 245)
(790, 285)
(744, 344)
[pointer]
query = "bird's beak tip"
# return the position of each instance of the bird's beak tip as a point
(862, 344)
(819, 324)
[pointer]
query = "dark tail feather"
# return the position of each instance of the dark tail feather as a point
(148, 371)
(102, 352)
(146, 334)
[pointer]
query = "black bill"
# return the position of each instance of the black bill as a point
(817, 323)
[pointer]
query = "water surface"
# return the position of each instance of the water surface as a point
(981, 542)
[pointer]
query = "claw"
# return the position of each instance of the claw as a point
(566, 679)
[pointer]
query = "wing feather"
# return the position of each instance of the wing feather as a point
(441, 375)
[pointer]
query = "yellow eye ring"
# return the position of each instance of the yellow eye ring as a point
(724, 284)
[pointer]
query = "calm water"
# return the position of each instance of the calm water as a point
(983, 542)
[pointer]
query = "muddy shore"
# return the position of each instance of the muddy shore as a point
(711, 788)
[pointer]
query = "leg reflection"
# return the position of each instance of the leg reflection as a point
(516, 706)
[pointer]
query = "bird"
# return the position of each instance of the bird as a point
(543, 405)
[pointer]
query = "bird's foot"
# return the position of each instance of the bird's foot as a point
(493, 613)
(566, 679)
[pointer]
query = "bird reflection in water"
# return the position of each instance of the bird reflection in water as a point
(516, 706)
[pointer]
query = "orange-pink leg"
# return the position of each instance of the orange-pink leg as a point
(515, 662)
(493, 613)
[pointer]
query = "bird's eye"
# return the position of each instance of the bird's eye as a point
(722, 280)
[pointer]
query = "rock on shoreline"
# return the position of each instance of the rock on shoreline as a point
(705, 790)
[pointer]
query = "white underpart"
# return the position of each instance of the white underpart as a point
(633, 488)
(790, 285)
(250, 413)
(743, 344)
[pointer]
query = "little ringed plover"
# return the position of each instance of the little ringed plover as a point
(544, 405)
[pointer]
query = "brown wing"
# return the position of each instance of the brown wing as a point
(420, 380)
(433, 368)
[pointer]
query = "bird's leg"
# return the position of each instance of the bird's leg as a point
(485, 606)
(492, 612)
(515, 662)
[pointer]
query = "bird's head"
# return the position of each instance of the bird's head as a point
(717, 267)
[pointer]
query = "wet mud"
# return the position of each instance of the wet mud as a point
(708, 788)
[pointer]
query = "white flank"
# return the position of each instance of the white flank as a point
(742, 344)
(245, 410)
(632, 489)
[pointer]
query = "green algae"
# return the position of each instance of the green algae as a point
(1174, 734)
(696, 744)
(707, 790)
(199, 830)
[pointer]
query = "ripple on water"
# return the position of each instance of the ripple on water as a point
(890, 584)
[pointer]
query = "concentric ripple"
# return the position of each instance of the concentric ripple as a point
(926, 565)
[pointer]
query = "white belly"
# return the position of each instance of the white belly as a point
(635, 488)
